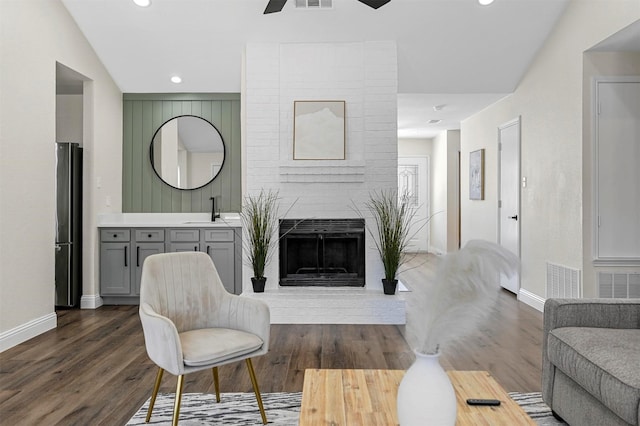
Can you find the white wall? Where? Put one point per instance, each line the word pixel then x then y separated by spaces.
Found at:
pixel 34 35
pixel 439 184
pixel 549 99
pixel 200 165
pixel 364 74
pixel 453 190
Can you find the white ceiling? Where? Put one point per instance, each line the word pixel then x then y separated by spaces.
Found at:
pixel 450 52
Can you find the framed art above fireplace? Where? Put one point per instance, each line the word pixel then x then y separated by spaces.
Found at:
pixel 319 130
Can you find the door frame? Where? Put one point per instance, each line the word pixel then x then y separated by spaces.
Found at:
pixel 516 121
pixel 427 201
pixel 597 260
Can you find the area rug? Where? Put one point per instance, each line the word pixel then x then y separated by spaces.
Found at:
pixel 239 409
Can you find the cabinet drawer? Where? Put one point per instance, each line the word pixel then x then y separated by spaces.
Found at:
pixel 218 235
pixel 151 235
pixel 115 235
pixel 179 235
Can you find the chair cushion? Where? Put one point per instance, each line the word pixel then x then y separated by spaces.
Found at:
pixel 604 361
pixel 212 345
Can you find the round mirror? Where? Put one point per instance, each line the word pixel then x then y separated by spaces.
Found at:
pixel 187 152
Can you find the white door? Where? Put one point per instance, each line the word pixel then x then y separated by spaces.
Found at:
pixel 509 196
pixel 617 155
pixel 413 180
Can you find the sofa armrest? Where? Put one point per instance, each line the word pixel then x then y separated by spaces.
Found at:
pixel 598 313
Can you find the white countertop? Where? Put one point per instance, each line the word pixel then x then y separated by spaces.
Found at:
pixel 166 220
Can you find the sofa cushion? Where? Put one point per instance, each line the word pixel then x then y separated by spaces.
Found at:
pixel 604 361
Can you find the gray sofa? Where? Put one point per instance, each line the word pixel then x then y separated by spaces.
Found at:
pixel 591 360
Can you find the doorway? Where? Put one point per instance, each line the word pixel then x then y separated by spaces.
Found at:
pixel 69 187
pixel 413 180
pixel 509 195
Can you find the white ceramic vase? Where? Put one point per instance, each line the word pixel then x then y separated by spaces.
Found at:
pixel 426 395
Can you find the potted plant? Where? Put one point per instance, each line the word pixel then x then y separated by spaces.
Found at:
pixel 260 222
pixel 393 217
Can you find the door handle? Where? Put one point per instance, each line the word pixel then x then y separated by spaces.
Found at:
pixel 514 217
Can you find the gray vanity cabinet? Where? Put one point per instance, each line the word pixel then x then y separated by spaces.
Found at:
pixel 115 262
pixel 219 244
pixel 184 240
pixel 147 242
pixel 123 251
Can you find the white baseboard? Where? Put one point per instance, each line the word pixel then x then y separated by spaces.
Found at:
pixel 90 301
pixel 26 331
pixel 531 299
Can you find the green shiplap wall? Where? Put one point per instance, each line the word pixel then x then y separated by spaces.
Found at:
pixel 142 190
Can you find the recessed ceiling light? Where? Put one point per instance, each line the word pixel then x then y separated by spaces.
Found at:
pixel 485 2
pixel 142 3
pixel 433 121
pixel 438 107
pixel 176 79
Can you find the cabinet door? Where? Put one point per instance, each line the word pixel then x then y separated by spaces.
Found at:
pixel 223 257
pixel 142 251
pixel 177 247
pixel 115 269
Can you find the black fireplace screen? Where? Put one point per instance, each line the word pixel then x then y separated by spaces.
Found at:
pixel 322 252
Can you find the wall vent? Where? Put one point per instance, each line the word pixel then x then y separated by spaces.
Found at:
pixel 619 285
pixel 563 282
pixel 314 4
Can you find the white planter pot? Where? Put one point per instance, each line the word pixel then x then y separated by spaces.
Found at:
pixel 426 395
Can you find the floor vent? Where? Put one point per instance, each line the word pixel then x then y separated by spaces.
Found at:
pixel 563 282
pixel 314 4
pixel 619 285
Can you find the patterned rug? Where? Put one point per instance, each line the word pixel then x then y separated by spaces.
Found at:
pixel 239 409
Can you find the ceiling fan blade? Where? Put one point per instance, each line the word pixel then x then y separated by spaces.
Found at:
pixel 375 3
pixel 275 6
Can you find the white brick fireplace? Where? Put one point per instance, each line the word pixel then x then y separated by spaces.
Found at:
pixel 364 74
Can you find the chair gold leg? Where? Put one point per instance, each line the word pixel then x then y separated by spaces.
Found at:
pixel 216 383
pixel 176 405
pixel 154 394
pixel 254 382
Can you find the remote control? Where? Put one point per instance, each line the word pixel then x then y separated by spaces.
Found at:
pixel 475 401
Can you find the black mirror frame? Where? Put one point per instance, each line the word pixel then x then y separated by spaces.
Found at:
pixel 224 152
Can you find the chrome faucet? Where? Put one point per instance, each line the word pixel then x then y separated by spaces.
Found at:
pixel 213 209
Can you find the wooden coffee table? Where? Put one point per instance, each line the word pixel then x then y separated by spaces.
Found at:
pixel 368 397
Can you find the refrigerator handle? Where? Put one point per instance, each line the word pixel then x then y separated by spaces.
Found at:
pixel 125 256
pixel 138 256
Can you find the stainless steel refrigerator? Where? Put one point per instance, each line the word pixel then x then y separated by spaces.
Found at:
pixel 68 224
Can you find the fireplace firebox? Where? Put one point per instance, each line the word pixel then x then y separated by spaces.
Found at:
pixel 322 252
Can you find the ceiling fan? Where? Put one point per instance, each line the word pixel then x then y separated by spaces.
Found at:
pixel 277 5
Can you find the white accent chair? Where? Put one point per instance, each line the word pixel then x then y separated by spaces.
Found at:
pixel 191 323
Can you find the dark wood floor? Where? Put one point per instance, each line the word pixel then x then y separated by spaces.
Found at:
pixel 93 368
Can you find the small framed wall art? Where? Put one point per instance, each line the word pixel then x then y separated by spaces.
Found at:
pixel 319 130
pixel 476 175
